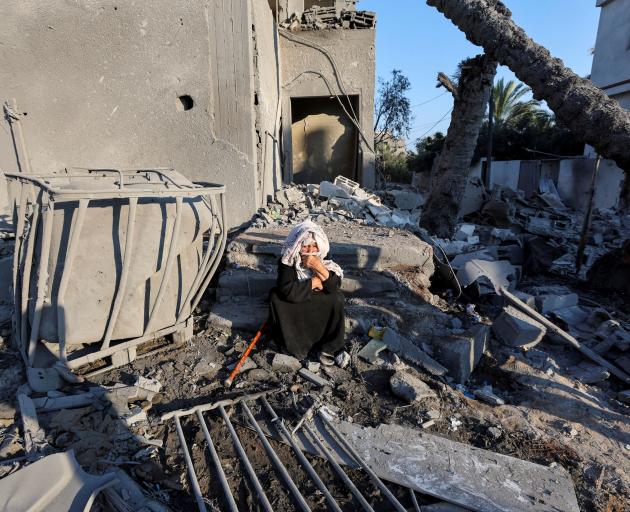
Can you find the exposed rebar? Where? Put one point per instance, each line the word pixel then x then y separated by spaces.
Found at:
pixel 229 497
pixel 342 474
pixel 373 476
pixel 191 469
pixel 264 501
pixel 273 456
pixel 286 435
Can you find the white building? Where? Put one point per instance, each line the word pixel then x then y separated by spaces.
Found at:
pixel 611 61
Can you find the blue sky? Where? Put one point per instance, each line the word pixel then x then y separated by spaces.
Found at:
pixel 418 40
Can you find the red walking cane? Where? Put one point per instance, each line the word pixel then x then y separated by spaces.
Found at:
pixel 228 382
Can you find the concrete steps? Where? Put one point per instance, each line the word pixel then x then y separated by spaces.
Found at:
pixel 252 283
pixel 363 252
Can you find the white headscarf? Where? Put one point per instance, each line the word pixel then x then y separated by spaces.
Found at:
pixel 291 249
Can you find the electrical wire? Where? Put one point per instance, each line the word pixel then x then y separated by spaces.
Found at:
pixel 306 42
pixel 429 101
pixel 435 124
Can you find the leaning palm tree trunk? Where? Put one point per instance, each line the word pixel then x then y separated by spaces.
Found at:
pixel 450 173
pixel 578 104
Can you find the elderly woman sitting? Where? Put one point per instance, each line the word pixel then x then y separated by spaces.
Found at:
pixel 306 304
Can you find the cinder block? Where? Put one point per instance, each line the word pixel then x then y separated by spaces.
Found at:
pixel 516 329
pixel 461 354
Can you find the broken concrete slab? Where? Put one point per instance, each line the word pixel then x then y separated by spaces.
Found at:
pixel 328 189
pixel 408 351
pixel 460 354
pixel 243 315
pixel 548 303
pixel 589 374
pixel 443 506
pixel 55 482
pixel 409 387
pixel 469 477
pixel 624 396
pixel 493 275
pixel 364 248
pixel 371 351
pixel 285 363
pixel 517 329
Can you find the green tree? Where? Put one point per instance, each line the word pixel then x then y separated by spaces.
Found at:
pixel 508 105
pixel 392 109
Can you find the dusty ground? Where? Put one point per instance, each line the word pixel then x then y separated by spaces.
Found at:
pixel 549 418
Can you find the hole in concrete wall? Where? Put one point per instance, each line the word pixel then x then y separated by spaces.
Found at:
pixel 185 102
pixel 324 140
pixel 255 99
pixel 115 8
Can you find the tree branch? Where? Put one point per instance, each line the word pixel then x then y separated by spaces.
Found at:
pixel 445 81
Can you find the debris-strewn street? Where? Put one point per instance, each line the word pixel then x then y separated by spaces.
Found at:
pixel 472 368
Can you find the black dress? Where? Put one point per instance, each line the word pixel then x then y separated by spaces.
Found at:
pixel 302 317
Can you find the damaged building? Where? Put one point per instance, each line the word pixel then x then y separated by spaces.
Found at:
pixel 485 372
pixel 212 90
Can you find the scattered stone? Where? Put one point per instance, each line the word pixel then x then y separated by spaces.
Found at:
pixel 516 329
pixel 313 366
pixel 454 424
pixel 371 351
pixel 495 432
pixel 428 424
pixel 409 388
pixel 285 363
pixel 433 414
pixel 342 359
pixel 249 364
pixel 259 375
pixel 315 379
pixel 486 394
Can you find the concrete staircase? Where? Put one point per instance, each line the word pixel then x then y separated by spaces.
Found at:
pixel 363 252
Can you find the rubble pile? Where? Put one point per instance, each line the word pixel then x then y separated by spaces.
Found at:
pixel 342 199
pixel 321 18
pixel 487 343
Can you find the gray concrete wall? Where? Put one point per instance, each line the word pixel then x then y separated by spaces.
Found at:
pixel 574 181
pixel 99 81
pixel 611 60
pixel 504 173
pixel 267 86
pixel 353 51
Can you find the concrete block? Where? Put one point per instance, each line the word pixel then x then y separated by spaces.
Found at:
pixel 409 388
pixel 371 351
pixel 516 329
pixel 408 351
pixel 486 394
pixel 328 189
pixel 464 232
pixel 247 316
pixel 285 363
pixel 315 379
pixel 461 354
pixel 548 303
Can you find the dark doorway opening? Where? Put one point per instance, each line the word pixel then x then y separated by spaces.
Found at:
pixel 324 139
